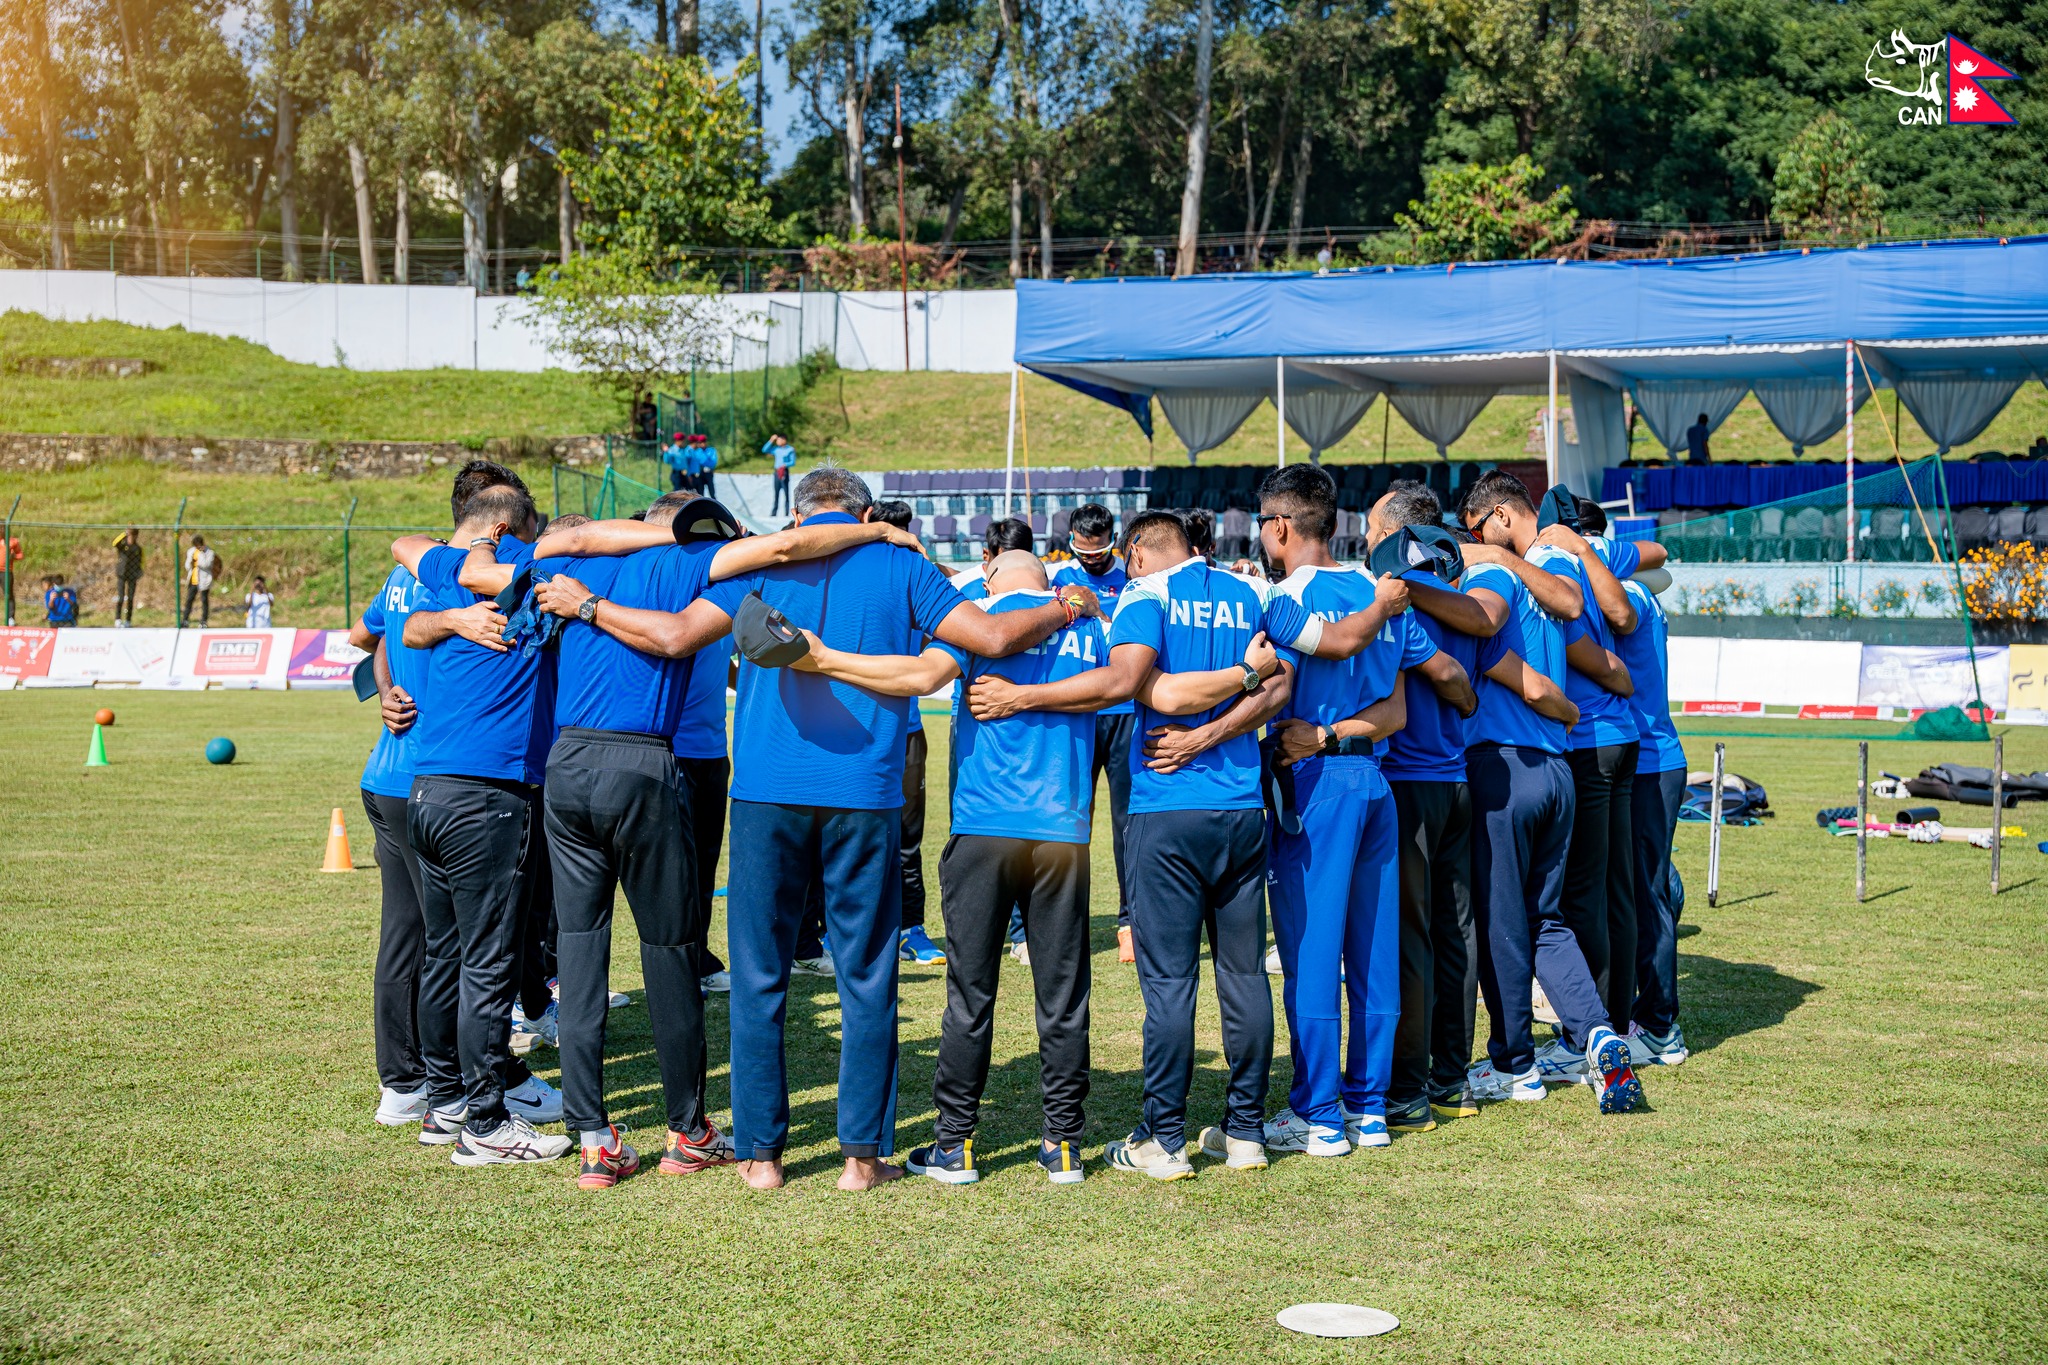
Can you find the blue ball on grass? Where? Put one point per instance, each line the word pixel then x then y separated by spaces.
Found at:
pixel 220 750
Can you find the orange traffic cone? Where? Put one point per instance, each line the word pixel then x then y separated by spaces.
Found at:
pixel 337 859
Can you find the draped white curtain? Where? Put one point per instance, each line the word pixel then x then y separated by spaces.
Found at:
pixel 1671 405
pixel 1602 423
pixel 1441 412
pixel 1205 418
pixel 1323 417
pixel 1954 406
pixel 1807 411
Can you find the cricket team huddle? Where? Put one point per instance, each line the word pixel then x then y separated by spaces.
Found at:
pixel 1446 773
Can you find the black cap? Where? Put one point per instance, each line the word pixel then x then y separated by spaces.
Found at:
pixel 764 635
pixel 1560 507
pixel 704 519
pixel 365 676
pixel 1419 547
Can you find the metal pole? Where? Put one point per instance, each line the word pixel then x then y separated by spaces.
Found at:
pixel 1997 806
pixel 7 556
pixel 1849 463
pixel 177 535
pixel 347 598
pixel 1280 407
pixel 1862 815
pixel 902 230
pixel 1550 440
pixel 1714 828
pixel 1010 450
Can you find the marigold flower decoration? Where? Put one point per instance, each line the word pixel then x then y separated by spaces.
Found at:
pixel 2006 582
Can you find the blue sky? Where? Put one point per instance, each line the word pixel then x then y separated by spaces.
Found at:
pixel 785 121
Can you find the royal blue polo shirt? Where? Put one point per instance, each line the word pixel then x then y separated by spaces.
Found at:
pixel 484 714
pixel 701 733
pixel 1644 650
pixel 389 771
pixel 803 739
pixel 1197 618
pixel 1032 775
pixel 1107 587
pixel 1539 638
pixel 604 684
pixel 1604 716
pixel 1431 747
pixel 1329 690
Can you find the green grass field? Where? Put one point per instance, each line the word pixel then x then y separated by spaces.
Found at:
pixel 1853 1165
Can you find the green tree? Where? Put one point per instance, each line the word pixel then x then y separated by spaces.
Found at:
pixel 1487 213
pixel 627 328
pixel 674 168
pixel 1822 186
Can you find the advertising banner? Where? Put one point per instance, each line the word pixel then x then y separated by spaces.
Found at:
pixel 322 658
pixel 2026 674
pixel 136 657
pixel 25 651
pixel 234 658
pixel 1930 676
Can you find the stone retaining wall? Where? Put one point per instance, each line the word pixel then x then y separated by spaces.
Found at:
pixel 337 459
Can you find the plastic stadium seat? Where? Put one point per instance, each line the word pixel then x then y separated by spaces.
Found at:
pixel 1234 534
pixel 1803 533
pixel 1038 525
pixel 1061 521
pixel 892 482
pixel 2037 526
pixel 1769 541
pixel 1887 539
pixel 1834 527
pixel 2009 524
pixel 917 528
pixel 945 530
pixel 1735 546
pixel 977 526
pixel 1973 528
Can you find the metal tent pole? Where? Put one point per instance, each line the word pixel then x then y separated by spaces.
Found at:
pixel 1010 451
pixel 1714 829
pixel 347 598
pixel 1550 427
pixel 1849 459
pixel 1280 408
pixel 1862 815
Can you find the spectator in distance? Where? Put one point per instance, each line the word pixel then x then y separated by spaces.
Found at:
pixel 127 573
pixel 256 606
pixel 202 566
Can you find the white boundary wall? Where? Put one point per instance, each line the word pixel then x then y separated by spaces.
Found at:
pixel 424 327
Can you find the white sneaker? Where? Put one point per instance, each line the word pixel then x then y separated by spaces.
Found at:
pixel 1273 961
pixel 514 1140
pixel 1650 1049
pixel 396 1108
pixel 821 965
pixel 1539 1004
pixel 1148 1158
pixel 535 1101
pixel 1021 951
pixel 1490 1084
pixel 619 1000
pixel 1287 1131
pixel 1239 1154
pixel 1367 1130
pixel 717 983
pixel 528 1034
pixel 1560 1064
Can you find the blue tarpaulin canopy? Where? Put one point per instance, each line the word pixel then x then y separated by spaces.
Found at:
pixel 1955 327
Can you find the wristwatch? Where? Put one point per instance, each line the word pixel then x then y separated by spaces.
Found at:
pixel 586 611
pixel 1251 676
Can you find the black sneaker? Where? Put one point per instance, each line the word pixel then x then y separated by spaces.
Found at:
pixel 952 1165
pixel 1410 1118
pixel 1456 1102
pixel 441 1127
pixel 1061 1162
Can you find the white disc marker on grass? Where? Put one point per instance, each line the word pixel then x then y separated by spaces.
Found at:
pixel 1337 1320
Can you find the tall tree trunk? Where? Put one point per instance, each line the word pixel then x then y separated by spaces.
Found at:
pixel 1276 163
pixel 475 207
pixel 1016 226
pixel 498 217
pixel 1044 228
pixel 1198 142
pixel 1301 155
pixel 326 264
pixel 287 177
pixel 954 206
pixel 401 230
pixel 565 214
pixel 856 151
pixel 760 99
pixel 686 28
pixel 1251 188
pixel 661 24
pixel 53 145
pixel 366 213
pixel 152 198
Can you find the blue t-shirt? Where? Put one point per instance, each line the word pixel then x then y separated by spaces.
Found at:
pixel 701 733
pixel 1604 716
pixel 1644 651
pixel 1431 747
pixel 1031 776
pixel 389 771
pixel 1198 617
pixel 482 713
pixel 1107 588
pixel 1329 690
pixel 1538 637
pixel 805 740
pixel 603 684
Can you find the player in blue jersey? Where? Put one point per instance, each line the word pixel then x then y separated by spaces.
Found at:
pixel 1095 566
pixel 914 944
pixel 1335 880
pixel 1001 537
pixel 1425 768
pixel 1522 803
pixel 1019 835
pixel 1196 835
pixel 817 800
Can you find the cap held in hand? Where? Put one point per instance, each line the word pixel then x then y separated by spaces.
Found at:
pixel 765 636
pixel 704 519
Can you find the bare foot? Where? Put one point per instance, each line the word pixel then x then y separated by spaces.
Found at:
pixel 762 1175
pixel 866 1172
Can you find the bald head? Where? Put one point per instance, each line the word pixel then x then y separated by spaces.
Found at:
pixel 1016 571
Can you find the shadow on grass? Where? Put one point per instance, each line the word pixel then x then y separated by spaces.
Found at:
pixel 1721 1000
